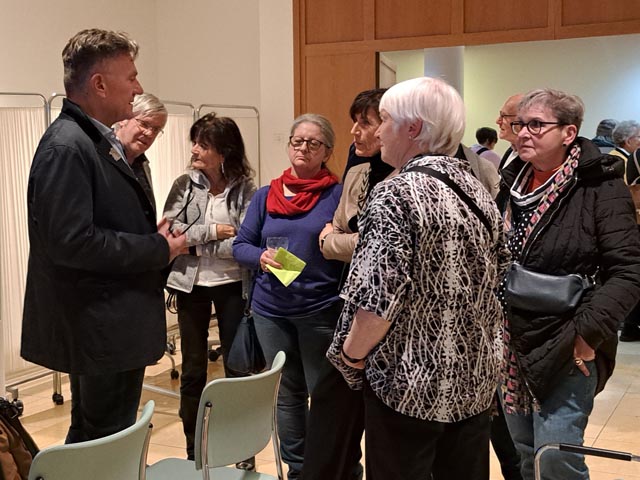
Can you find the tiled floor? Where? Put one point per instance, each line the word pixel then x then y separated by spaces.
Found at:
pixel 614 424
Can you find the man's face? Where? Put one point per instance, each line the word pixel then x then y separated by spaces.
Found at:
pixel 119 87
pixel 138 134
pixel 508 114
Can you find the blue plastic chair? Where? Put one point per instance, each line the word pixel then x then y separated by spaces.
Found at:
pixel 122 455
pixel 236 419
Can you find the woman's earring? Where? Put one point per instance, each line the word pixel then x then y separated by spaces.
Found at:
pixel 222 169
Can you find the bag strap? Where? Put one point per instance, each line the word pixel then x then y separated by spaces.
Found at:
pixel 444 178
pixel 252 275
pixel 482 150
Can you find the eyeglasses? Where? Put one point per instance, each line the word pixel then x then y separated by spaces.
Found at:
pixel 182 210
pixel 312 144
pixel 149 129
pixel 534 126
pixel 504 115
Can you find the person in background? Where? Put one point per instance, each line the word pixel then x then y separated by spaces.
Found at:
pixel 603 139
pixel 137 134
pixel 420 329
pixel 94 304
pixel 626 137
pixel 508 114
pixel 208 204
pixel 336 418
pixel 300 318
pixel 567 211
pixel 487 139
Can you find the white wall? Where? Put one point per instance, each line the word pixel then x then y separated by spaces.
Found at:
pixel 196 51
pixel 33 34
pixel 603 71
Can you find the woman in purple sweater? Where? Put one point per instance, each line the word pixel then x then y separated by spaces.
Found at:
pixel 299 319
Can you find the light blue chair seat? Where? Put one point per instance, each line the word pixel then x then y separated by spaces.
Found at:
pixel 236 420
pixel 121 456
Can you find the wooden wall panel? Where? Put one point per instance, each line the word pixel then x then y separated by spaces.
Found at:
pixel 330 21
pixel 412 18
pixel 584 12
pixel 504 15
pixel 332 82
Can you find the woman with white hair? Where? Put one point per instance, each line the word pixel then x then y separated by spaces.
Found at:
pixel 420 330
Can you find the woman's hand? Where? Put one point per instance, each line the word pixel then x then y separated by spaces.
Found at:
pixel 582 352
pixel 225 231
pixel 328 228
pixel 267 259
pixel 358 366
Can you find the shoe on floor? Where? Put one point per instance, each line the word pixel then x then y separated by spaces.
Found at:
pixel 249 465
pixel 630 333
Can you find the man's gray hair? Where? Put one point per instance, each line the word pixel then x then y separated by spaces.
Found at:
pixel 88 48
pixel 147 104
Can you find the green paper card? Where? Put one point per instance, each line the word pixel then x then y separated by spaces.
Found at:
pixel 292 266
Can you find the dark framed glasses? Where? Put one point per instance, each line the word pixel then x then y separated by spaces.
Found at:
pixel 312 144
pixel 184 209
pixel 534 126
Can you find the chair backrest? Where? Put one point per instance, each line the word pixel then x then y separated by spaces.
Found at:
pixel 237 417
pixel 122 455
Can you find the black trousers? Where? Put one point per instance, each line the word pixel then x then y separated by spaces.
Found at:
pixel 194 316
pixel 103 404
pixel 506 452
pixel 399 447
pixel 334 430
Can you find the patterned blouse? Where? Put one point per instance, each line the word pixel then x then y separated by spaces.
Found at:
pixel 427 264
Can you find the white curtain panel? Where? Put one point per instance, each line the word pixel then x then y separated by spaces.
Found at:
pixel 20 132
pixel 169 156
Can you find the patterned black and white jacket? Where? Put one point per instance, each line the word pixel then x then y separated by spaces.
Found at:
pixel 427 264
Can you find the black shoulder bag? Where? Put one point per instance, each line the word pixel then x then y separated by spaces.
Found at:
pixel 245 356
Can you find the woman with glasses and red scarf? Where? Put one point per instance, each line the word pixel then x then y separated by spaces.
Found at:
pixel 300 318
pixel 208 203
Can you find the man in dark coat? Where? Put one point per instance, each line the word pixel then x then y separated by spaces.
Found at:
pixel 94 304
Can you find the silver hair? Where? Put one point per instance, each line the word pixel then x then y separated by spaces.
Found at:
pixel 624 131
pixel 326 130
pixel 437 104
pixel 147 104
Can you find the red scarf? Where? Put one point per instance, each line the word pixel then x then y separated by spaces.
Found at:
pixel 309 191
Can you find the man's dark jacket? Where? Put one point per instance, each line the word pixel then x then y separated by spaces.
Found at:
pixel 590 228
pixel 94 299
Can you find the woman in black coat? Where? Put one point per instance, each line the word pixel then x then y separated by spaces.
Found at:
pixel 567 211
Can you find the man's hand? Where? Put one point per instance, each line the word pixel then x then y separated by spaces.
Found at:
pixel 177 241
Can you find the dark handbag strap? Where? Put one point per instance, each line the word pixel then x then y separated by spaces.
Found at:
pixel 252 274
pixel 444 178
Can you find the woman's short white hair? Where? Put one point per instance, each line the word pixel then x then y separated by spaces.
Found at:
pixel 437 104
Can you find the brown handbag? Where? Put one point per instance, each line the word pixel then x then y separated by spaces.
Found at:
pixel 17 448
